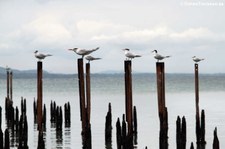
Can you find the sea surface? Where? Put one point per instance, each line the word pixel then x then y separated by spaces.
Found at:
pixel 109 88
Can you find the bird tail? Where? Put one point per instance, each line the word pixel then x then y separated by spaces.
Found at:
pixel 137 55
pixel 95 49
pixel 48 55
pixel 167 56
pixel 97 58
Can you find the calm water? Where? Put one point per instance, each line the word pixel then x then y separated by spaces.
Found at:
pixel 180 100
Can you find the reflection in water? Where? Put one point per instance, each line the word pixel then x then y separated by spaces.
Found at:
pixel 67 137
pixel 59 139
pixel 86 138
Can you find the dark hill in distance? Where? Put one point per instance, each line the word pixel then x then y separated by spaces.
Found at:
pixel 31 74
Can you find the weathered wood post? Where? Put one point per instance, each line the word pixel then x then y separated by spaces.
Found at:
pixel 128 96
pixel 163 116
pixel 88 92
pixel 198 127
pixel 81 92
pixel 200 124
pixel 39 94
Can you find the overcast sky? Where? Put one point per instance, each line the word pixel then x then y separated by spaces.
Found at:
pixel 180 28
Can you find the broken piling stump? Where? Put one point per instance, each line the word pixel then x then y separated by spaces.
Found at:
pixel 108 126
pixel 216 143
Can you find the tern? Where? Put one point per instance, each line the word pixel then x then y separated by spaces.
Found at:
pixel 41 56
pixel 91 58
pixel 83 52
pixel 195 59
pixel 7 68
pixel 130 55
pixel 158 56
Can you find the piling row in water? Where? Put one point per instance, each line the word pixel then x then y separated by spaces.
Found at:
pixel 35 113
pixel 124 140
pixel 56 115
pixel 23 127
pixel 67 114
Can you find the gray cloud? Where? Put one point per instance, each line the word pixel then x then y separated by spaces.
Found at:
pixel 55 26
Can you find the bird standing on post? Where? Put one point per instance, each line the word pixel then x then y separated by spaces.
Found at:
pixel 40 56
pixel 195 59
pixel 91 58
pixel 129 54
pixel 158 56
pixel 83 52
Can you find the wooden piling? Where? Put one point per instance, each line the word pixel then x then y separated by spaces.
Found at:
pixel 88 91
pixel 178 133
pixel 11 86
pixel 41 143
pixel 202 129
pixel 198 127
pixel 184 133
pixel 1 139
pixel 7 141
pixel 67 114
pixel 135 125
pixel 192 145
pixel 216 143
pixel 128 96
pixel 118 134
pixel 162 110
pixel 160 87
pixel 7 84
pixel 44 118
pixel 1 133
pixel 196 90
pixel 124 132
pixel 35 111
pixel 81 92
pixel 39 94
pixel 108 126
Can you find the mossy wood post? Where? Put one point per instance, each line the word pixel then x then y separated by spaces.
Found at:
pixel 39 94
pixel 163 115
pixel 128 96
pixel 82 92
pixel 88 92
